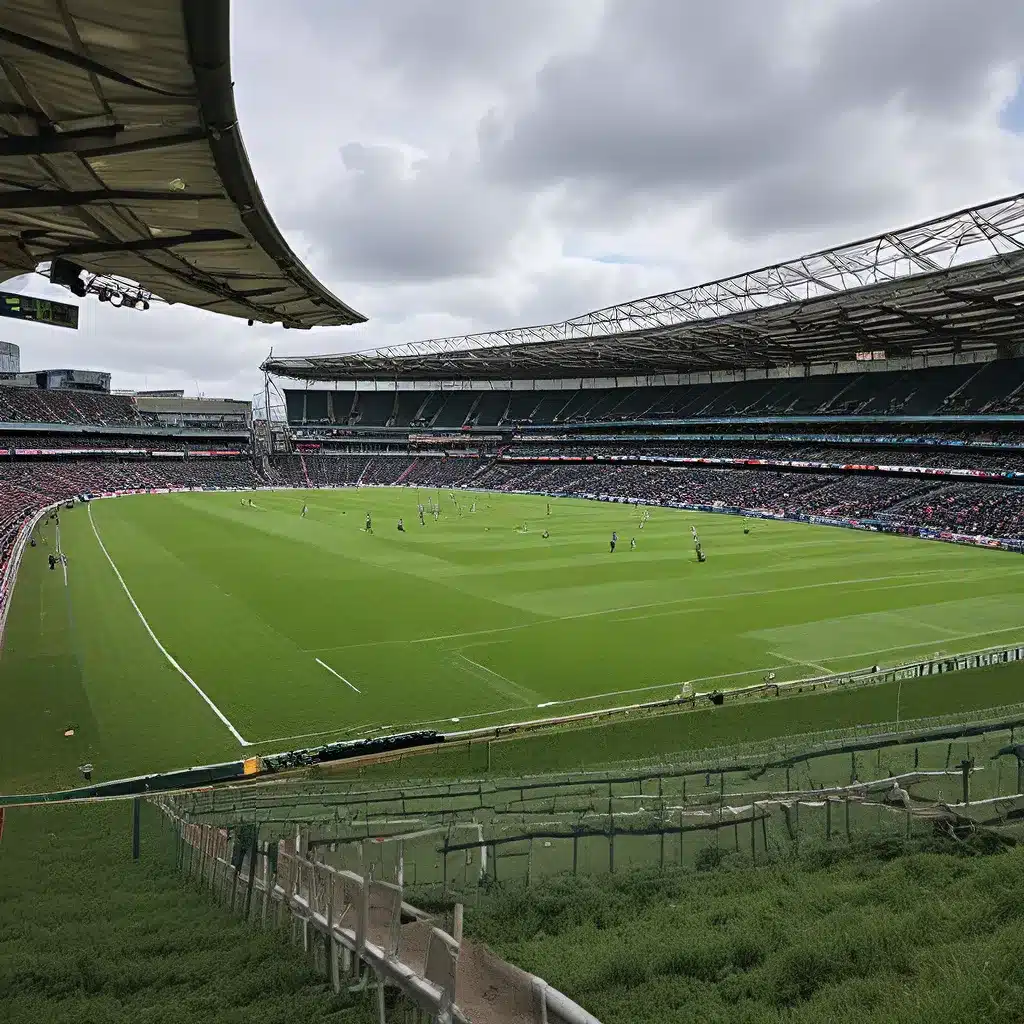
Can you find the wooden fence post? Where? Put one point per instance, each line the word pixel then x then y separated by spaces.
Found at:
pixel 254 848
pixel 753 832
pixel 136 827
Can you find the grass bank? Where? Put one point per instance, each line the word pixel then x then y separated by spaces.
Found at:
pixel 89 937
pixel 876 937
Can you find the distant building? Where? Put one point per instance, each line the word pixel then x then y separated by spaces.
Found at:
pixel 10 357
pixel 59 380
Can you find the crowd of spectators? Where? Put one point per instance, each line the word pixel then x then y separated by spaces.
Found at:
pixel 933 457
pixel 55 479
pixel 122 441
pixel 968 508
pixel 349 470
pixel 990 509
pixel 987 509
pixel 61 405
pixel 27 486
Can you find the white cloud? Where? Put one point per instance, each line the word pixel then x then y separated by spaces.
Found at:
pixel 448 166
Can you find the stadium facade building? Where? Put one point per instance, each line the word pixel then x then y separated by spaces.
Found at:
pixel 174 411
pixel 71 380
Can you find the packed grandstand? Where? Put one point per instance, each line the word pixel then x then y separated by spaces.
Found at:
pixel 904 471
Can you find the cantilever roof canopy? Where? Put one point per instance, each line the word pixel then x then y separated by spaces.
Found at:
pixel 953 284
pixel 120 151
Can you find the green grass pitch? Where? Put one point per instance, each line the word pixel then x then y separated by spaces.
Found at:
pixel 301 630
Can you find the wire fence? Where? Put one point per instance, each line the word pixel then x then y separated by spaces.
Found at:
pixel 757 802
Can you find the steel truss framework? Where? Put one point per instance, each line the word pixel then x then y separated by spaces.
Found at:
pixel 952 284
pixel 120 151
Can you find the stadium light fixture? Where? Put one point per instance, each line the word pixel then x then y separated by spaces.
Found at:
pixel 115 290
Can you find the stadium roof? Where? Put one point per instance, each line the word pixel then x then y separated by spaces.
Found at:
pixel 953 284
pixel 120 151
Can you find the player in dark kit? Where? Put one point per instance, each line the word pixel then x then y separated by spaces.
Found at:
pixel 614 541
pixel 369 523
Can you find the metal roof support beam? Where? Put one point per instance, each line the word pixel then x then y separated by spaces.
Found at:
pixel 987 302
pixel 44 199
pixel 87 64
pixel 50 141
pixel 204 236
pixel 104 140
pixel 955 337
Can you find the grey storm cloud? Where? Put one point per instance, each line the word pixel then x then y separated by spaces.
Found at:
pixel 688 97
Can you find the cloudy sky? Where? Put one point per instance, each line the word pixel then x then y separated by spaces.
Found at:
pixel 450 166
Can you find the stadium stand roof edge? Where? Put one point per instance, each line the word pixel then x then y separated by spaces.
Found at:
pixel 122 153
pixel 954 283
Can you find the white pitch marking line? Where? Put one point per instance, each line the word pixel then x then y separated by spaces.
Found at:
pixel 163 650
pixel 489 671
pixel 823 669
pixel 63 561
pixel 338 674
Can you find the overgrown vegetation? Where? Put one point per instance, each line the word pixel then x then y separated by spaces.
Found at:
pixel 89 937
pixel 876 934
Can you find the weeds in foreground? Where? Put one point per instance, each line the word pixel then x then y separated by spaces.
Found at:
pixel 883 932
